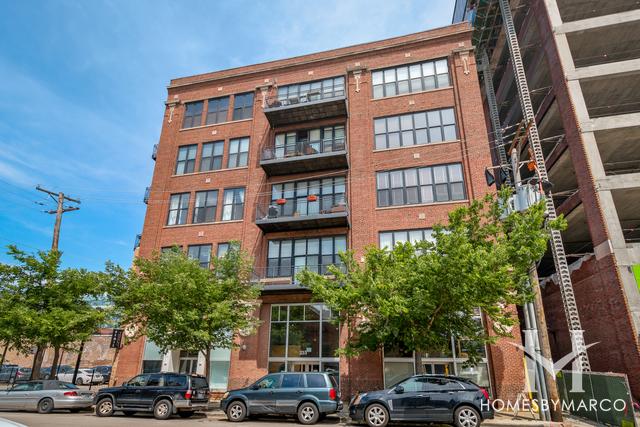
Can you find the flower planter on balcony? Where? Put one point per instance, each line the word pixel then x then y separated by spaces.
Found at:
pixel 312 198
pixel 281 201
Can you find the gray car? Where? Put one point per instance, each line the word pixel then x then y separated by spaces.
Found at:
pixel 45 396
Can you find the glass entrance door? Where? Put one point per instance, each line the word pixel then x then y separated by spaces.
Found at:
pixel 188 362
pixel 304 367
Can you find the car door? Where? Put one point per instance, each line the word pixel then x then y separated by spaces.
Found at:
pixel 16 397
pixel 131 393
pixel 289 392
pixel 153 387
pixel 33 396
pixel 408 401
pixel 261 395
pixel 442 397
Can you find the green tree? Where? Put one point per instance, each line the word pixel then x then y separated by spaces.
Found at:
pixel 179 305
pixel 44 306
pixel 416 296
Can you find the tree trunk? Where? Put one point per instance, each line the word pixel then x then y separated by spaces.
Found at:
pixel 54 364
pixel 207 364
pixel 4 354
pixel 37 363
pixel 417 361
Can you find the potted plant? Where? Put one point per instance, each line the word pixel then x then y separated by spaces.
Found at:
pixel 312 198
pixel 281 201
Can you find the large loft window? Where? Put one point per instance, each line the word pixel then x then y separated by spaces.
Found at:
pixel 211 158
pixel 178 208
pixel 217 110
pixel 287 257
pixel 205 206
pixel 431 184
pixel 192 114
pixel 238 152
pixel 186 162
pixel 415 129
pixel 202 253
pixel 303 338
pixel 313 197
pixel 410 78
pixel 233 204
pixel 388 239
pixel 243 106
pixel 311 91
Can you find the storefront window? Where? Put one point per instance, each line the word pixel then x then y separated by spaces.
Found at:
pixel 219 367
pixel 303 338
pixel 152 358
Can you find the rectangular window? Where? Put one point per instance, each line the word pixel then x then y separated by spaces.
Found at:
pixel 178 208
pixel 205 207
pixel 313 197
pixel 410 78
pixel 202 253
pixel 233 206
pixel 289 256
pixel 431 184
pixel 238 152
pixel 243 106
pixel 192 114
pixel 186 162
pixel 415 128
pixel 217 110
pixel 311 91
pixel 388 239
pixel 308 142
pixel 211 156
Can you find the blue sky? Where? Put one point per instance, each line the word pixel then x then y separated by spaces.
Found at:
pixel 83 84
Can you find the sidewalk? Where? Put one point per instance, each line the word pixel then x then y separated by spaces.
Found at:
pixel 507 419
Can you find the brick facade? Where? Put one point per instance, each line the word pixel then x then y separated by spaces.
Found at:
pixel 366 220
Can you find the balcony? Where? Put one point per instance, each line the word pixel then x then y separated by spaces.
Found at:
pixel 147 194
pixel 308 212
pixel 313 105
pixel 136 243
pixel 154 153
pixel 276 280
pixel 304 156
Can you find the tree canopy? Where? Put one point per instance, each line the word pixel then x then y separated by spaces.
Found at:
pixel 415 296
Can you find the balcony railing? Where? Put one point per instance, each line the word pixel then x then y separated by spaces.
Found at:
pixel 154 153
pixel 304 156
pixel 147 194
pixel 313 105
pixel 136 243
pixel 313 211
pixel 278 279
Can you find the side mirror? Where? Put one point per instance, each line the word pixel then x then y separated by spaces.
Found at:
pixel 399 389
pixel 125 384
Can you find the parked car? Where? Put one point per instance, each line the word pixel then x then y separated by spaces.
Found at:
pixel 105 371
pixel 45 373
pixel 8 372
pixel 44 396
pixel 309 396
pixel 85 375
pixel 23 374
pixel 424 398
pixel 164 394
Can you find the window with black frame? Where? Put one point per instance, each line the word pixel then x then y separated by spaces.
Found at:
pixel 211 158
pixel 313 197
pixel 178 209
pixel 201 253
pixel 192 114
pixel 410 78
pixel 186 162
pixel 424 127
pixel 217 110
pixel 441 183
pixel 311 91
pixel 233 204
pixel 388 239
pixel 205 206
pixel 243 106
pixel 287 257
pixel 238 152
pixel 308 142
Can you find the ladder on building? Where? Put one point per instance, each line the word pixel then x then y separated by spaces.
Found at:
pixel 557 246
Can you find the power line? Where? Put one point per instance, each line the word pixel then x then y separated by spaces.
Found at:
pixel 59 198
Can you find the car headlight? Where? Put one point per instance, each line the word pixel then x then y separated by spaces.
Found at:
pixel 225 395
pixel 358 398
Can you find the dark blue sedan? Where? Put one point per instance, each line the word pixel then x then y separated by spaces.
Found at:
pixel 424 398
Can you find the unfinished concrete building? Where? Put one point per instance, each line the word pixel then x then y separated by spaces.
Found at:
pixel 582 64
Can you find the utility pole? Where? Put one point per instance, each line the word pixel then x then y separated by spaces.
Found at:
pixel 59 198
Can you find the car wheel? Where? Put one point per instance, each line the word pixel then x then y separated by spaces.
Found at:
pixel 308 413
pixel 236 411
pixel 129 413
pixel 466 416
pixel 186 414
pixel 45 406
pixel 104 408
pixel 162 409
pixel 376 415
pixel 79 381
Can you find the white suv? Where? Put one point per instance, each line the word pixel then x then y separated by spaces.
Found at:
pixel 65 373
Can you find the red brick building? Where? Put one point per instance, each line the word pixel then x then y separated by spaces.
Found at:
pixel 301 158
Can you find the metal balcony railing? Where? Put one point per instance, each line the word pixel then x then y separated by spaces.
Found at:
pixel 303 148
pixel 147 194
pixel 154 153
pixel 287 273
pixel 136 243
pixel 302 98
pixel 312 211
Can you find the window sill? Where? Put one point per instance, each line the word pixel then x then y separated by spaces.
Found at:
pixel 216 124
pixel 410 93
pixel 430 144
pixel 213 171
pixel 384 208
pixel 203 223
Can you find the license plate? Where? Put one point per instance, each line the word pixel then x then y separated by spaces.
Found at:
pixel 200 395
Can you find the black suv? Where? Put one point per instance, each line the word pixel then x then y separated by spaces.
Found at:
pixel 424 398
pixel 309 396
pixel 163 394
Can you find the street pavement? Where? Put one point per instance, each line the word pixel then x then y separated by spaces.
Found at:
pixel 212 418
